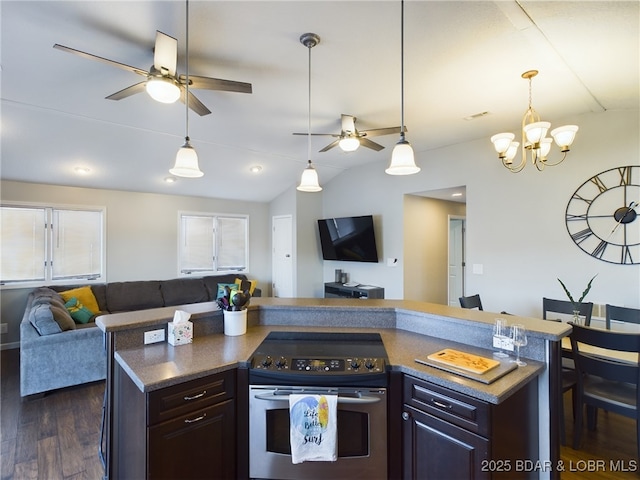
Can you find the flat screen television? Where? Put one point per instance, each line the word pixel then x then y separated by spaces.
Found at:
pixel 350 239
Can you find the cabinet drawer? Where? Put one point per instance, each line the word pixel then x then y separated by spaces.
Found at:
pixel 187 397
pixel 456 408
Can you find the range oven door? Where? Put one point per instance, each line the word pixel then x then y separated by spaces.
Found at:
pixel 362 434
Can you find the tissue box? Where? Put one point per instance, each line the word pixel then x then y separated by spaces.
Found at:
pixel 180 333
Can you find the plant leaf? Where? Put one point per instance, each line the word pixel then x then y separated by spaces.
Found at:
pixel 584 294
pixel 567 291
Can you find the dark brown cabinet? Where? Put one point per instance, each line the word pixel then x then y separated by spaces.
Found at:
pixel 185 431
pixel 447 434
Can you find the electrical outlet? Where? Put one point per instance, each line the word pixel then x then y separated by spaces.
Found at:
pixel 154 336
pixel 4 327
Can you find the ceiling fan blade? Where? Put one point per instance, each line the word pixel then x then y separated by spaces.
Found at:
pixel 127 92
pixel 195 104
pixel 319 134
pixel 376 132
pixel 331 145
pixel 216 84
pixel 369 144
pixel 90 56
pixel 348 123
pixel 165 53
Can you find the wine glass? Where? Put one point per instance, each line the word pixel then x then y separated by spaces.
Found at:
pixel 519 339
pixel 500 336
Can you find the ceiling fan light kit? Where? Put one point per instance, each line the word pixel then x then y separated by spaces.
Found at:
pixel 309 180
pixel 349 144
pixel 534 139
pixel 402 158
pixel 163 89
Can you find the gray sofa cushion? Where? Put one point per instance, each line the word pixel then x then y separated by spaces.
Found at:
pixel 181 291
pixel 62 317
pixel 42 320
pixel 130 296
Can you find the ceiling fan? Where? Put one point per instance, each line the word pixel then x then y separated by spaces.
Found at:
pixel 162 81
pixel 350 138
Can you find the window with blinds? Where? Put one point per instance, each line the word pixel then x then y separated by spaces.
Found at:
pixel 213 243
pixel 48 245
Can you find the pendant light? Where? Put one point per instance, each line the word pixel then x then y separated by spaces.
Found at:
pixel 309 180
pixel 402 159
pixel 187 159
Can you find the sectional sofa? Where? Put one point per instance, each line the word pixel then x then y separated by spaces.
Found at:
pixel 57 352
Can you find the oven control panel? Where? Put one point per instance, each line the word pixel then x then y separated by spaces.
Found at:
pixel 319 366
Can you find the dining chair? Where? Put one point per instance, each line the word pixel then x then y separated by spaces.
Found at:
pixel 565 307
pixel 604 381
pixel 622 314
pixel 472 301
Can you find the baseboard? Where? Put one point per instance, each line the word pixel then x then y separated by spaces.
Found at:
pixel 9 346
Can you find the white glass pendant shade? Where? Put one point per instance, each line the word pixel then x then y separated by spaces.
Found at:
pixel 349 144
pixel 536 131
pixel 163 89
pixel 186 162
pixel 309 181
pixel 510 154
pixel 545 147
pixel 502 141
pixel 564 136
pixel 402 160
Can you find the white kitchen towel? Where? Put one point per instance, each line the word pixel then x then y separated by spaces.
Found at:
pixel 314 429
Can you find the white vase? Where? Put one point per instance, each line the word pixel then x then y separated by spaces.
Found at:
pixel 235 322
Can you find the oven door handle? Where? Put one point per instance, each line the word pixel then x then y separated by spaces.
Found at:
pixel 365 400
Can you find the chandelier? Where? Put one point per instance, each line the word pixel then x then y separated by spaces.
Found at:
pixel 535 144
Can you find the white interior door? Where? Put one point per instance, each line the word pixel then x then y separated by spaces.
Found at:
pixel 456 260
pixel 282 257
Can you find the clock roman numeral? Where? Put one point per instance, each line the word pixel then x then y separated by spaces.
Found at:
pixel 572 217
pixel 626 255
pixel 625 175
pixel 599 183
pixel 582 235
pixel 599 250
pixel 578 197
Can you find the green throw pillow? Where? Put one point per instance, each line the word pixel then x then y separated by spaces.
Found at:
pixel 79 312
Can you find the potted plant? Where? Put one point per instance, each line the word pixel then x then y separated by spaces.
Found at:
pixel 576 304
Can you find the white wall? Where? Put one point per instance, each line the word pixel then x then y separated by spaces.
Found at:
pixel 515 222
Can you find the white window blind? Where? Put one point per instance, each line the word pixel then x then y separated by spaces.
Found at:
pixel 42 245
pixel 213 243
pixel 24 244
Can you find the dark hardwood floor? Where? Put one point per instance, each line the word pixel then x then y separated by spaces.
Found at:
pixel 55 437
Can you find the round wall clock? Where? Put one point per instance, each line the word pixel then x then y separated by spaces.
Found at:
pixel 602 216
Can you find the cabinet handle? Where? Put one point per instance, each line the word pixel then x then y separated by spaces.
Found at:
pixel 201 417
pixel 440 404
pixel 405 416
pixel 196 396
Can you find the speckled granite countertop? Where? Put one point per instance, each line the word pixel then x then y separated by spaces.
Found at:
pixel 152 367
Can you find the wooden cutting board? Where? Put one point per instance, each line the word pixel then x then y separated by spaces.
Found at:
pixel 465 361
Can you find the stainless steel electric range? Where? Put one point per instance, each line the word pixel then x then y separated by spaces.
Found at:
pixel 352 366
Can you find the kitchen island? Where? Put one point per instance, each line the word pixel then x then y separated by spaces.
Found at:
pixel 409 330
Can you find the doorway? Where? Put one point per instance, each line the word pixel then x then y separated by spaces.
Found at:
pixel 282 257
pixel 457 237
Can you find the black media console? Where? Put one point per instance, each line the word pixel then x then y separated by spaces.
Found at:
pixel 338 290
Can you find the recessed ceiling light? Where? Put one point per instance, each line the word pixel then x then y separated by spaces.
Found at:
pixel 457 194
pixel 170 179
pixel 82 170
pixel 255 169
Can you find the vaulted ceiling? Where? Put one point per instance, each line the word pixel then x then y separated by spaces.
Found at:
pixel 461 59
